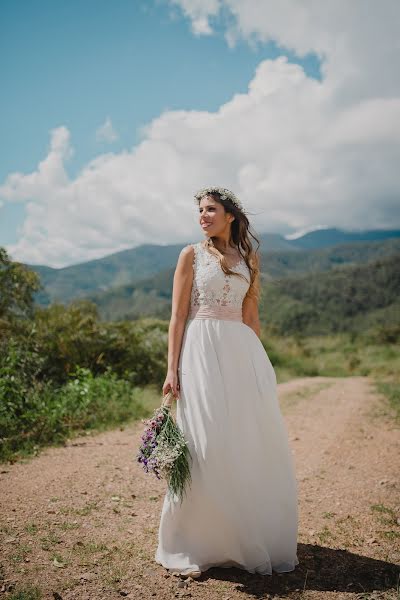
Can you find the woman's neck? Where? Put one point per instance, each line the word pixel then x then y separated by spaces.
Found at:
pixel 223 245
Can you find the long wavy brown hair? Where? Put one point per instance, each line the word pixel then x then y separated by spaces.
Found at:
pixel 241 231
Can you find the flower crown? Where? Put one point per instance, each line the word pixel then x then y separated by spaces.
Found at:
pixel 223 192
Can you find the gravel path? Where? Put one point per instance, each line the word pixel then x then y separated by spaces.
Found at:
pixel 81 521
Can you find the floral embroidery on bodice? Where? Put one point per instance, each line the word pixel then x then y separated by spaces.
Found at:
pixel 215 294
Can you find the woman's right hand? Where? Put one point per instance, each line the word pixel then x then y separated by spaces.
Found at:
pixel 171 383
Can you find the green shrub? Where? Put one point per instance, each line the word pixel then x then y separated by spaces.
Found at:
pixel 73 336
pixel 390 388
pixel 44 413
pixel 89 402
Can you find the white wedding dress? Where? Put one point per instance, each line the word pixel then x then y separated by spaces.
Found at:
pixel 241 507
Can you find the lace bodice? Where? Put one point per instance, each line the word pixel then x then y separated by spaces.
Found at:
pixel 215 294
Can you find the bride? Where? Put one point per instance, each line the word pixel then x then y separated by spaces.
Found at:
pixel 241 509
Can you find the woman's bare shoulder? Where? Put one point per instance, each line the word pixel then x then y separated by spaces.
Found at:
pixel 187 254
pixel 190 249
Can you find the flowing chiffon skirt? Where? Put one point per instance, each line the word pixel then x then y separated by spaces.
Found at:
pixel 241 508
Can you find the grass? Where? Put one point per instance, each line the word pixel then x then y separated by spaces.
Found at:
pixel 387 516
pixel 66 526
pixel 325 535
pixel 308 391
pixel 88 550
pixel 390 389
pixel 49 540
pixel 26 592
pixel 21 552
pixel 31 528
pixel 340 355
pixel 328 515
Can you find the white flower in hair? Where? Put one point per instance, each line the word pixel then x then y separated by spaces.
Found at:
pixel 223 192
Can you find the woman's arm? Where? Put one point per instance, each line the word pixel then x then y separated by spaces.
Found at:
pixel 250 314
pixel 250 306
pixel 182 286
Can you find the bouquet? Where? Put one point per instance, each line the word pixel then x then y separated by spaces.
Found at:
pixel 163 449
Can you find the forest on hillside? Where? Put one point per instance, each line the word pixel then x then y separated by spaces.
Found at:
pixel 355 298
pixel 143 276
pixel 346 297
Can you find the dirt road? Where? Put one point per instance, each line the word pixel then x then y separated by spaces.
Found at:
pixel 81 521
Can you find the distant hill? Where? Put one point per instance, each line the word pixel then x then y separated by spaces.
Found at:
pixel 149 297
pixel 130 267
pixel 283 264
pixel 273 242
pixel 125 267
pixel 77 281
pixel 322 238
pixel 152 296
pixel 347 298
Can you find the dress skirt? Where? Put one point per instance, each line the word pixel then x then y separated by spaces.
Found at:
pixel 241 507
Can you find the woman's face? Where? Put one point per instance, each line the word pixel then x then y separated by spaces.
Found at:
pixel 213 218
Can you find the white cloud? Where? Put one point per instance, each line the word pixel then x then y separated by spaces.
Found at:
pixel 300 153
pixel 358 41
pixel 106 132
pixel 199 13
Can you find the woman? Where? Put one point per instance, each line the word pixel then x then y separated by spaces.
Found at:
pixel 241 507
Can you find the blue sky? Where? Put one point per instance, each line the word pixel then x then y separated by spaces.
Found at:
pixel 76 63
pixel 114 113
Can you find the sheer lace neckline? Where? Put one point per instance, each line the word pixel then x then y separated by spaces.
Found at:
pixel 234 266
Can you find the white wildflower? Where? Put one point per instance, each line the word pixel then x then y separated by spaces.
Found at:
pixel 223 192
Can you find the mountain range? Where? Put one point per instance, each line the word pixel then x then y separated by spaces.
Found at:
pixel 132 282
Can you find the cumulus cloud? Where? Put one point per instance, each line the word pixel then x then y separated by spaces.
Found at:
pixel 357 41
pixel 299 152
pixel 106 132
pixel 199 13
